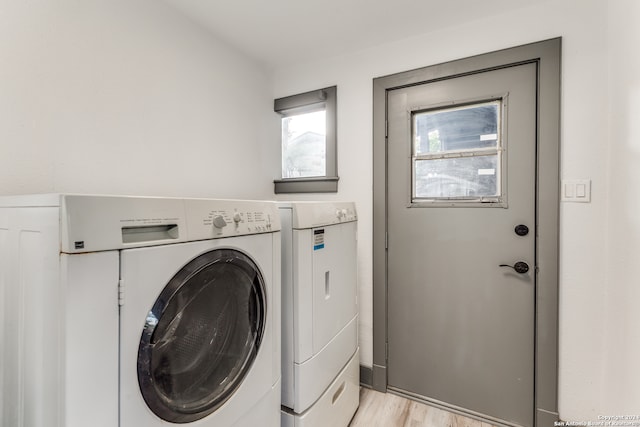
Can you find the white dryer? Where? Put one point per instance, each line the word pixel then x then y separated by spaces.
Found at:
pixel 128 311
pixel 320 358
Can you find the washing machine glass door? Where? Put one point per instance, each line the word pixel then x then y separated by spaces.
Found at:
pixel 202 335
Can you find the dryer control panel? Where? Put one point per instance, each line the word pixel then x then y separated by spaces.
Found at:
pixel 318 214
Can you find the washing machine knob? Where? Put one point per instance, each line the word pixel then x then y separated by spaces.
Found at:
pixel 236 217
pixel 219 222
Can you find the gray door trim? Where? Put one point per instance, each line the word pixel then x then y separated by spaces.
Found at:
pixel 546 55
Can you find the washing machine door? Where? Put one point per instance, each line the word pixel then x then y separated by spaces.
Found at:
pixel 202 336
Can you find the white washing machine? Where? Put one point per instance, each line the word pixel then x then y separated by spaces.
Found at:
pixel 320 357
pixel 126 311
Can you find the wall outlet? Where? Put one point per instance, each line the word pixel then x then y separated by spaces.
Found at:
pixel 576 190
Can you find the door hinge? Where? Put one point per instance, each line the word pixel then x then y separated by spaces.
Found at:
pixel 386 128
pixel 120 293
pixel 386 351
pixel 386 240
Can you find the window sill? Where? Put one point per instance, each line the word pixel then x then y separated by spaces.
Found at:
pixel 322 184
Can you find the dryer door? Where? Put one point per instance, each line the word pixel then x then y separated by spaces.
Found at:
pixel 202 336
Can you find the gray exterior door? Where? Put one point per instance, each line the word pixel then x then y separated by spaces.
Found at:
pixel 461 222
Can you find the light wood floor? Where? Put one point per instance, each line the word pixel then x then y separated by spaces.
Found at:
pixel 388 410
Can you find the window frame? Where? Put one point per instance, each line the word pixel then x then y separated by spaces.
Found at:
pixel 321 99
pixel 499 201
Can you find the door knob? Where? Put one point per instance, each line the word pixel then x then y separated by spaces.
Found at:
pixel 520 267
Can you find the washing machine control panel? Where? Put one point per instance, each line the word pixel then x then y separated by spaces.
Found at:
pixel 225 218
pixel 94 223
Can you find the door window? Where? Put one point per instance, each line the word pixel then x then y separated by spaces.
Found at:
pixel 202 336
pixel 456 154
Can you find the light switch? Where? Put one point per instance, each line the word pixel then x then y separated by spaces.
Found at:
pixel 576 190
pixel 569 191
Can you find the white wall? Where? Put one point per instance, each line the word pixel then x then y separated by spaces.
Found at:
pixel 622 346
pixel 585 337
pixel 127 97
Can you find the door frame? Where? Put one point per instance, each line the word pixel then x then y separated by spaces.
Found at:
pixel 546 55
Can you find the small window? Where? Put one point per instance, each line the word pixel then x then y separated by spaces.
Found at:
pixel 457 154
pixel 309 163
pixel 304 145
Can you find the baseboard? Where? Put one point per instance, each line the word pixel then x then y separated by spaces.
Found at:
pixel 366 376
pixel 546 418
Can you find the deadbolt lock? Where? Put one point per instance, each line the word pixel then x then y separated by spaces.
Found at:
pixel 521 230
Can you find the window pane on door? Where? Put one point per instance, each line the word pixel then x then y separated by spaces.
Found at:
pixel 460 177
pixel 457 152
pixel 462 128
